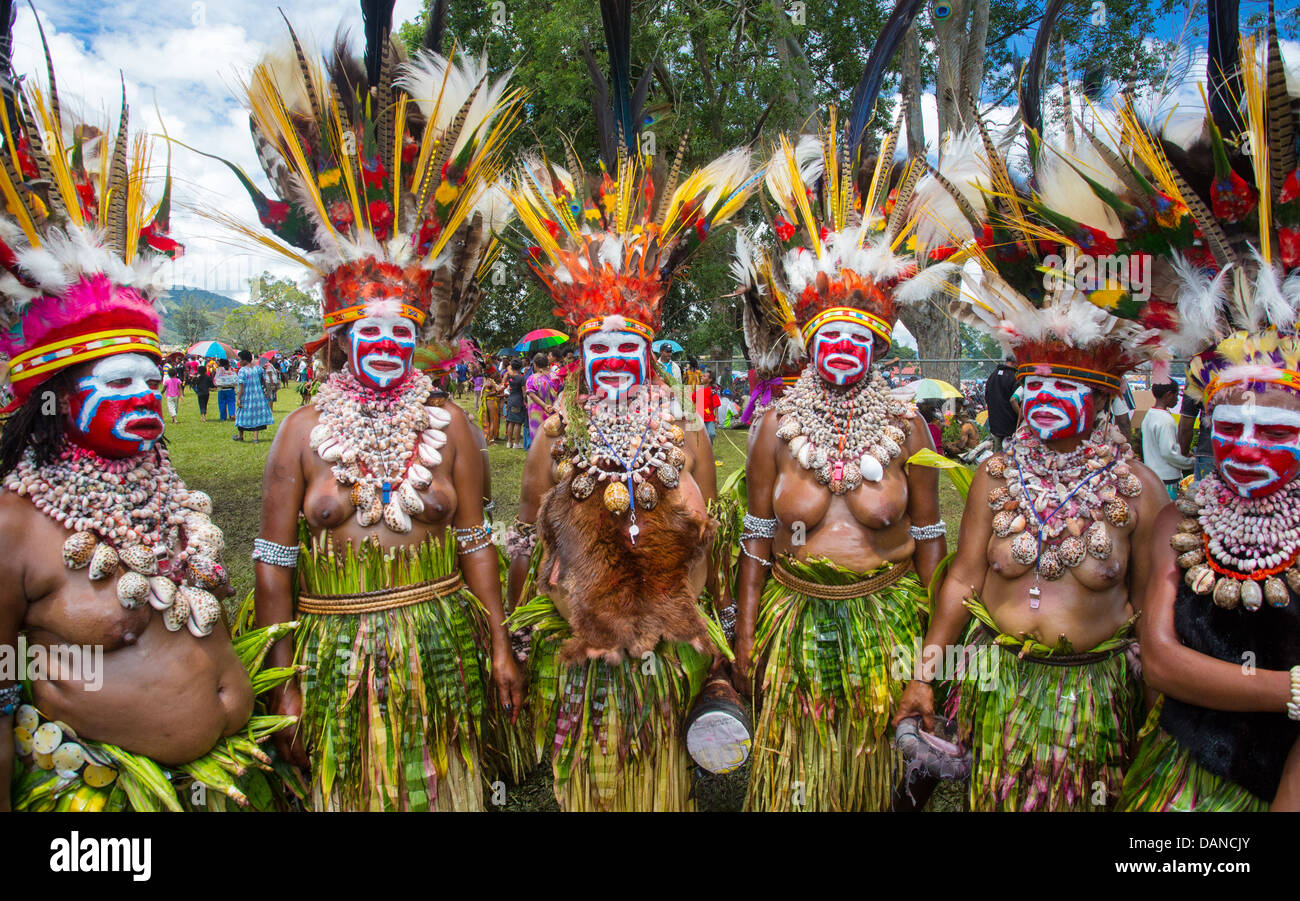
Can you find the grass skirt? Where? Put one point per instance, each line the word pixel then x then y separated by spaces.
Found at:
pixel 239 772
pixel 834 673
pixel 614 733
pixel 394 701
pixel 1165 777
pixel 1045 736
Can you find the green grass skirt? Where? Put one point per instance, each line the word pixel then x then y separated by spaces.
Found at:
pixel 1044 736
pixel 614 733
pixel 834 673
pixel 1165 777
pixel 398 709
pixel 240 772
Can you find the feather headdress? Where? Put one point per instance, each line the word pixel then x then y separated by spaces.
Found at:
pixel 1239 285
pixel 841 247
pixel 384 175
pixel 80 247
pixel 1074 268
pixel 607 243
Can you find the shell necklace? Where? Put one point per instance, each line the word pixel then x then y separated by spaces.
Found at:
pixel 135 512
pixel 1230 544
pixel 629 445
pixel 385 444
pixel 844 435
pixel 1074 494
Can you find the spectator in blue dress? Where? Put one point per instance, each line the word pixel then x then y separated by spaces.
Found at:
pixel 253 413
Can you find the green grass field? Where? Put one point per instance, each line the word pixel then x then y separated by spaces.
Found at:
pixel 231 472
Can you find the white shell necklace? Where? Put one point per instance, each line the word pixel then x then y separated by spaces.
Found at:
pixel 384 444
pixel 844 435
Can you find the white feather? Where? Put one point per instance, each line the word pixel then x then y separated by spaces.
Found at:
pixel 1062 189
pixel 441 88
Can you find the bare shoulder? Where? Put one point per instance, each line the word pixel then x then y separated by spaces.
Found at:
pixel 918 433
pixel 1154 497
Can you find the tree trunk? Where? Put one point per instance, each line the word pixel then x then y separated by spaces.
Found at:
pixel 912 89
pixel 936 339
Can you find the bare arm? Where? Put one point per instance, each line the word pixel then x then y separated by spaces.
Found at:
pixel 479 568
pixel 949 617
pixel 1171 667
pixel 923 503
pixel 284 485
pixel 1152 500
pixel 760 482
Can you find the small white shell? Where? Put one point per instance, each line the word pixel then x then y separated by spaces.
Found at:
pixel 872 471
pixel 205 610
pixel 103 563
pixel 429 455
pixel 162 592
pixel 409 498
pixel 330 451
pixel 804 455
pixel 318 436
pixel 132 590
pixel 197 501
pixel 436 437
pixel 438 416
pixel 797 442
pixel 419 476
pixel 371 511
pixel 176 615
pixel 139 558
pixel 396 519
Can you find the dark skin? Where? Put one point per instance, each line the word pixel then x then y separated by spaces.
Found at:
pixel 859 530
pixel 166 695
pixel 1086 605
pixel 298 482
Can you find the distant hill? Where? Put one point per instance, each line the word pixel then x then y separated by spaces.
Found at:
pixel 181 296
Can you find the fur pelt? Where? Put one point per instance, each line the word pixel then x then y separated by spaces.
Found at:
pixel 623 598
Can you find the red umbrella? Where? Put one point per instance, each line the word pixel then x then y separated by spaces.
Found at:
pixel 269 354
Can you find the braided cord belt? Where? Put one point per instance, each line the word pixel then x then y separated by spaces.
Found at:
pixel 383 599
pixel 1078 659
pixel 840 592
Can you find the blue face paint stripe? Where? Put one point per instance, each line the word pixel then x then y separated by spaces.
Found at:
pixel 92 401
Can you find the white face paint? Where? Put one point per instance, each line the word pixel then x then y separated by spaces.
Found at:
pixel 614 361
pixel 115 410
pixel 1256 447
pixel 841 351
pixel 1057 408
pixel 382 349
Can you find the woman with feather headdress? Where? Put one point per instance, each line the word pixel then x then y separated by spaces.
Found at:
pixel 85 469
pixel 374 493
pixel 1051 558
pixel 835 516
pixel 610 553
pixel 1225 559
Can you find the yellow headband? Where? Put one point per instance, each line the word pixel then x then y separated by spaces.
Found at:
pixel 877 325
pixel 1286 378
pixel 70 351
pixel 1074 373
pixel 597 323
pixel 352 314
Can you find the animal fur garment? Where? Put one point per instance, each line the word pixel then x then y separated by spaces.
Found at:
pixel 623 598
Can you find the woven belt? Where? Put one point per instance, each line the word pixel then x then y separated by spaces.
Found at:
pixel 840 592
pixel 383 599
pixel 1082 659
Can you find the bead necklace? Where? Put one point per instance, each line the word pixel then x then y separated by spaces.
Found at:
pixel 137 513
pixel 1057 504
pixel 844 435
pixel 629 445
pixel 1236 549
pixel 384 444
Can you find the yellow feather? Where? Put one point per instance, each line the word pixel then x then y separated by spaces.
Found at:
pixel 1252 90
pixel 56 155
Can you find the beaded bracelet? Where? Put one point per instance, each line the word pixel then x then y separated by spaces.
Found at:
pixel 757 527
pixel 925 533
pixel 471 535
pixel 275 554
pixel 10 697
pixel 727 617
pixel 1293 706
pixel 745 551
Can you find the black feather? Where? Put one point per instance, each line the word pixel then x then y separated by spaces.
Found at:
pixel 377 15
pixel 1223 67
pixel 616 16
pixel 8 12
pixel 600 110
pixel 873 76
pixel 437 25
pixel 1031 82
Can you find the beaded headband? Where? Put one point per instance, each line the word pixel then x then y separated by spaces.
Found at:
pixel 597 323
pixel 1092 377
pixel 71 351
pixel 876 324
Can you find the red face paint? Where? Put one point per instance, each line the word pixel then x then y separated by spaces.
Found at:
pixel 115 411
pixel 1057 408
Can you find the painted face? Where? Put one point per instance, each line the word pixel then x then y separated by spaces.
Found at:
pixel 1057 408
pixel 1256 447
pixel 841 351
pixel 382 349
pixel 114 411
pixel 614 362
